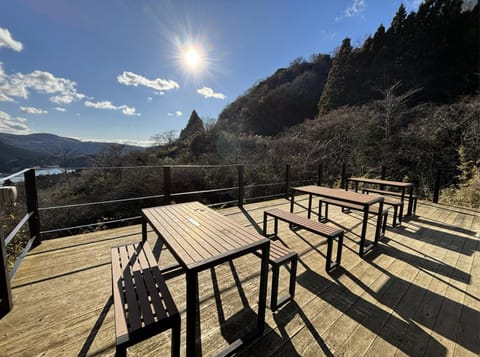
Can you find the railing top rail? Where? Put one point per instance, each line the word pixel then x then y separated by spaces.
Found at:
pixel 15 174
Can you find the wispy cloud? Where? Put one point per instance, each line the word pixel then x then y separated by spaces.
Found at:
pixel 11 125
pixel 210 93
pixel 158 84
pixel 149 99
pixel 32 110
pixel 356 8
pixel 60 109
pixel 19 85
pixel 177 114
pixel 126 110
pixel 6 40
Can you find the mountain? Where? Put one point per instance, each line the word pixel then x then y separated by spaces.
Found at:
pixel 20 151
pixel 433 53
pixel 282 100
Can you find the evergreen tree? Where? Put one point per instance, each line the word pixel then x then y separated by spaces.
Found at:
pixel 334 92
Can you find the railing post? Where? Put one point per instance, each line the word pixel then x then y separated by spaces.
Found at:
pixel 241 187
pixel 32 206
pixel 287 179
pixel 320 173
pixel 6 302
pixel 436 186
pixel 167 183
pixel 344 178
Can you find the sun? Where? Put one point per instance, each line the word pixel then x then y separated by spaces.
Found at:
pixel 192 57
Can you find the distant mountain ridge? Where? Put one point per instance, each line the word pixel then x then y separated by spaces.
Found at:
pixel 20 151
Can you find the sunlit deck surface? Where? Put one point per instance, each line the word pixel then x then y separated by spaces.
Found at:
pixel 418 294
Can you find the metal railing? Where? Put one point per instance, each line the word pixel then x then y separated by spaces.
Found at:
pixel 32 216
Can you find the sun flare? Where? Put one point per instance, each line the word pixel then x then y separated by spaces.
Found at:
pixel 192 58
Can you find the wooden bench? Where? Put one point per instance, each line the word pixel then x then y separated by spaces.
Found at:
pixel 397 208
pixel 143 305
pixel 281 255
pixel 343 204
pixel 394 194
pixel 315 227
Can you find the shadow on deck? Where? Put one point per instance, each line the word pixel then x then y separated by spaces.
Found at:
pixel 417 294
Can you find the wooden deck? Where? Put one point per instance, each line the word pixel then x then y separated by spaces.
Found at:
pixel 418 294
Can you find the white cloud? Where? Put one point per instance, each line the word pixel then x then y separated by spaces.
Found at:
pixel 6 40
pixel 177 114
pixel 126 110
pixel 149 99
pixel 19 85
pixel 158 84
pixel 32 110
pixel 100 105
pixel 356 8
pixel 60 109
pixel 209 93
pixel 12 125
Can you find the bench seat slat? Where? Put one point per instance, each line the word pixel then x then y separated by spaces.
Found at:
pixel 120 320
pixel 133 310
pixel 305 222
pixel 143 305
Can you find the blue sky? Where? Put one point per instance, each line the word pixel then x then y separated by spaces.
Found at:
pixel 126 70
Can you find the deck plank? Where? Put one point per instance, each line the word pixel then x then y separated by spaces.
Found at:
pixel 419 294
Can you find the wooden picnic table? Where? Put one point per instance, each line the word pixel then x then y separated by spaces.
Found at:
pixel 348 197
pixel 396 184
pixel 200 238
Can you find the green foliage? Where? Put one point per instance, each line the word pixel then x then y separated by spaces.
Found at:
pixel 284 99
pixel 436 49
pixel 467 192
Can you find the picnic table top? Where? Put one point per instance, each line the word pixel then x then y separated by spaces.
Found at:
pixel 339 194
pixel 198 236
pixel 380 182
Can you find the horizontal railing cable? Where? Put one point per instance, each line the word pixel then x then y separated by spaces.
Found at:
pixel 19 260
pixel 19 226
pixel 91 225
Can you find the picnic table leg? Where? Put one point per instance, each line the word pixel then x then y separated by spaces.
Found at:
pixel 292 201
pixel 379 223
pixel 144 229
pixel 309 205
pixel 262 293
pixel 410 201
pixel 364 231
pixel 192 309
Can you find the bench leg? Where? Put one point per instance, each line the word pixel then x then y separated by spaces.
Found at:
pixel 415 205
pixel 400 216
pixel 275 302
pixel 176 330
pixel 384 226
pixel 330 264
pixel 395 214
pixel 121 351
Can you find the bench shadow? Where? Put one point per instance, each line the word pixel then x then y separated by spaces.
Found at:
pixel 96 327
pixel 420 306
pixel 367 314
pixel 453 242
pixel 423 221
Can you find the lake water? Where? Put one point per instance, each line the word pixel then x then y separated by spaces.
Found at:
pixel 42 172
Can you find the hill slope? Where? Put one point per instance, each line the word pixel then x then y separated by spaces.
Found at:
pixel 20 151
pixel 284 99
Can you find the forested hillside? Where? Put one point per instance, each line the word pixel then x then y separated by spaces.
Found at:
pixel 434 51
